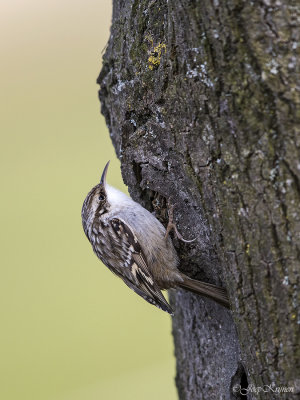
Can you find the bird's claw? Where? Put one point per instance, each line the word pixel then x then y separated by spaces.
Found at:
pixel 172 224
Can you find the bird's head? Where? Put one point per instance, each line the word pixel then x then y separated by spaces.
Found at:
pixel 96 202
pixel 102 187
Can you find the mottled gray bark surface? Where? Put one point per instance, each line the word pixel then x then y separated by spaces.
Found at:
pixel 202 102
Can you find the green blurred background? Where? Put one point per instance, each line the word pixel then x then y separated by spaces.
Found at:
pixel 70 330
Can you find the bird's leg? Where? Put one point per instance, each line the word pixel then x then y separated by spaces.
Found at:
pixel 172 224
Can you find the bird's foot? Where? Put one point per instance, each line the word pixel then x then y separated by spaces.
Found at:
pixel 172 225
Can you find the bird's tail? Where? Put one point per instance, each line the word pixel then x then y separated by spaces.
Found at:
pixel 206 289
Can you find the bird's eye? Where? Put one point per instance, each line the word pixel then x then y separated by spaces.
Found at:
pixel 101 197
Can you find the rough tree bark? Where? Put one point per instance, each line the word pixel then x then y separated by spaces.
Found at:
pixel 202 102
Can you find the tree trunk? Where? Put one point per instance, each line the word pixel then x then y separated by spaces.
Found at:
pixel 202 102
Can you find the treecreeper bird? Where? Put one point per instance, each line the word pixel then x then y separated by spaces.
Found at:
pixel 135 246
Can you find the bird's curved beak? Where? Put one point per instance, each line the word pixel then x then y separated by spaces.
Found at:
pixel 103 177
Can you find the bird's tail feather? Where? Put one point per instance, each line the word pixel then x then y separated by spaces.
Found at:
pixel 206 289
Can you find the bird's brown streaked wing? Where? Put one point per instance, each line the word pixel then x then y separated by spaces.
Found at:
pixel 135 272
